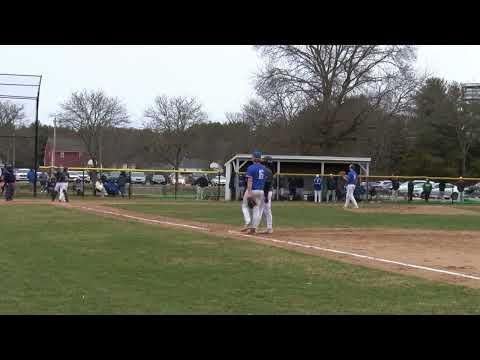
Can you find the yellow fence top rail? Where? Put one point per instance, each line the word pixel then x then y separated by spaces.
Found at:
pixel 418 177
pixel 188 171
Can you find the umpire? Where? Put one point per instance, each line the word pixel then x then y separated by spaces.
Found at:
pixel 9 179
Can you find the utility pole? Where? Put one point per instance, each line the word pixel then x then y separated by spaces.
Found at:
pixel 52 162
pixel 14 147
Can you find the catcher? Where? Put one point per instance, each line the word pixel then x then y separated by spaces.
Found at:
pixel 254 195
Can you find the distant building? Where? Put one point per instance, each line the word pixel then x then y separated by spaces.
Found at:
pixel 471 91
pixel 69 152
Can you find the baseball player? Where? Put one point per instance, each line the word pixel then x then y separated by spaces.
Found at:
pixel 268 193
pixel 351 179
pixel 61 185
pixel 317 189
pixel 254 195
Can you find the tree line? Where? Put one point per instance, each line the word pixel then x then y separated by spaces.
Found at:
pixel 344 100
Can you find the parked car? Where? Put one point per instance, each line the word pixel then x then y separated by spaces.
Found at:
pixel 181 179
pixel 138 178
pixel 403 189
pixel 21 174
pixel 74 175
pixel 451 191
pixel 114 175
pixel 215 181
pixel 384 185
pixel 158 179
pixel 418 189
pixel 473 190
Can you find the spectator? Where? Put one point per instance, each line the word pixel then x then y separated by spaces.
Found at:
pixel 427 189
pixel 31 177
pixel 66 177
pixel 122 181
pixel 2 181
pixel 395 187
pixel 300 187
pixel 51 184
pixel 201 183
pixel 78 186
pixel 341 186
pixel 461 188
pixel 292 188
pixel 331 186
pixel 410 190
pixel 111 187
pixel 100 188
pixel 231 185
pixel 9 180
pixel 441 190
pixel 373 193
pixel 43 178
pixel 317 189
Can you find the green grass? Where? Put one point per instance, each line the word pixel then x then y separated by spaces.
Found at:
pixel 308 215
pixel 59 261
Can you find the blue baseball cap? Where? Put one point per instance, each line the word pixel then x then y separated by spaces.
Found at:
pixel 257 154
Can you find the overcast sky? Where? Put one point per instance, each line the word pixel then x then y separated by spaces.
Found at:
pixel 220 76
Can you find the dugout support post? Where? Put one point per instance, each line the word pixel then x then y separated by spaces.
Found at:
pixel 130 185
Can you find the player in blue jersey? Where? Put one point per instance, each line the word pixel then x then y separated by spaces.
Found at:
pixel 268 194
pixel 255 187
pixel 317 189
pixel 351 179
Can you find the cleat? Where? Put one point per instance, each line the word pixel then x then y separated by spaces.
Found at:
pixel 266 231
pixel 252 231
pixel 245 228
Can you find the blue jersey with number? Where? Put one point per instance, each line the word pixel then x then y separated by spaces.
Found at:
pixel 317 183
pixel 352 177
pixel 258 173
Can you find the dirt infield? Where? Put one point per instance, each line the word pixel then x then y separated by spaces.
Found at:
pixel 454 251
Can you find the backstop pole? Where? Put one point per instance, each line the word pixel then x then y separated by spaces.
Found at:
pixel 35 163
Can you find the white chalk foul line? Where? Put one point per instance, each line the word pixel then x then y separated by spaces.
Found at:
pixel 144 219
pixel 358 255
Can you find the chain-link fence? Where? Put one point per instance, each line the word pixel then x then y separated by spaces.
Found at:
pixel 127 183
pixel 177 185
pixel 300 187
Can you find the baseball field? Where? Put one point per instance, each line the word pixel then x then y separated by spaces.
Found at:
pixel 104 256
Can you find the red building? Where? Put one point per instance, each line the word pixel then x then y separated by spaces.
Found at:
pixel 69 152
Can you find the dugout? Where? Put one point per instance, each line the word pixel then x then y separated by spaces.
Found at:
pixel 298 165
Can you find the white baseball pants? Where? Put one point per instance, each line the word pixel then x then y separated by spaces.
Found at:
pixel 317 196
pixel 267 210
pixel 258 196
pixel 350 198
pixel 60 188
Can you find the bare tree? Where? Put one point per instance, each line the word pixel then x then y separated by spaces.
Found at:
pixel 326 76
pixel 11 117
pixel 171 118
pixel 89 114
pixel 11 114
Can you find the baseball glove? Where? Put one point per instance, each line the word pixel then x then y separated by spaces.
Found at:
pixel 251 202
